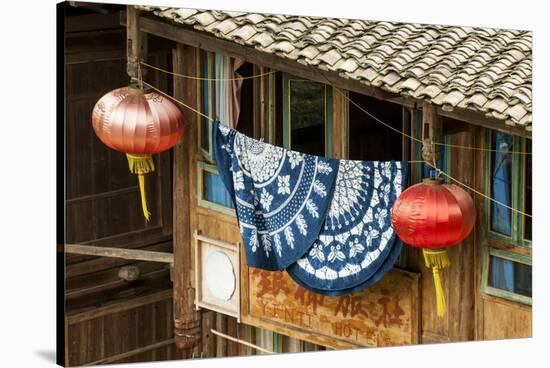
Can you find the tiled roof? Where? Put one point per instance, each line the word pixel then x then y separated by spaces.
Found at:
pixel 482 69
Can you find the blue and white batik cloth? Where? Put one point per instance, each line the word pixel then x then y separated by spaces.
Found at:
pixel 357 244
pixel 328 222
pixel 280 196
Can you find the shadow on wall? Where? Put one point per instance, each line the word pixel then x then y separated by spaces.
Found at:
pixel 48 355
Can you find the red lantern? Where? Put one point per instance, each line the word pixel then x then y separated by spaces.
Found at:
pixel 432 216
pixel 137 122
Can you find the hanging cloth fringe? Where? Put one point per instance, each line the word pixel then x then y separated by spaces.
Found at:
pixel 141 165
pixel 437 259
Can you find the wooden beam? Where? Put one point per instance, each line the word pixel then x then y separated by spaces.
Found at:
pixel 340 124
pixel 477 118
pixel 133 40
pixel 205 41
pixel 96 264
pixel 186 319
pixel 91 22
pixel 130 353
pixel 242 342
pixel 406 128
pixel 102 195
pixel 431 132
pixel 120 306
pixel 132 254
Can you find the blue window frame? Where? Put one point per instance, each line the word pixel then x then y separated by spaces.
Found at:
pixel 528 193
pixel 501 183
pixel 206 100
pixel 211 190
pixel 509 178
pixel 507 274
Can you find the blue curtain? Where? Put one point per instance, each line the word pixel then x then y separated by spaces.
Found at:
pixel 502 274
pixel 501 217
pixel 511 276
pixel 214 190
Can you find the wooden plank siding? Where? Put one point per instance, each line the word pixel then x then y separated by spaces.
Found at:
pixel 495 318
pixel 136 334
pixel 108 319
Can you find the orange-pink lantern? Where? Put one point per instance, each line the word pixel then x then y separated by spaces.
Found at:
pixel 138 122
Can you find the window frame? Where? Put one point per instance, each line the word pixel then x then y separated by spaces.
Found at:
pixel 210 56
pixel 201 200
pixel 287 79
pixel 518 195
pixel 501 293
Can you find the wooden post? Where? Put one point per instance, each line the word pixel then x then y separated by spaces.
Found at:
pixel 136 42
pixel 406 128
pixel 133 45
pixel 186 320
pixel 431 128
pixel 340 124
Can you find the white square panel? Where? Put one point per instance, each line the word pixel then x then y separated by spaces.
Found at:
pixel 217 272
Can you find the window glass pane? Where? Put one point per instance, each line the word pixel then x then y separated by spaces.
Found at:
pixel 528 223
pixel 214 190
pixel 501 183
pixel 510 276
pixel 205 100
pixel 368 139
pixel 307 116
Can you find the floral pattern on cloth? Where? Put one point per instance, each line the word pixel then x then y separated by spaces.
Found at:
pixel 280 196
pixel 357 244
pixel 326 221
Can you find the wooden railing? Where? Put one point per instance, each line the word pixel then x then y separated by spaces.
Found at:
pixel 131 254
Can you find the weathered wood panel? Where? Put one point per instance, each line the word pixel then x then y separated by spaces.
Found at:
pixel 145 335
pixel 109 319
pixel 186 318
pixel 505 320
pixel 495 318
pixel 384 314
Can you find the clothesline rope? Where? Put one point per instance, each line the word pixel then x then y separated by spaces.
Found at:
pixel 410 162
pixel 205 79
pixel 242 342
pixel 346 97
pixel 414 138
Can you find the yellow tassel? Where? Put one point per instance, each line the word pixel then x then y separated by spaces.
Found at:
pixel 436 259
pixel 141 165
pixel 146 213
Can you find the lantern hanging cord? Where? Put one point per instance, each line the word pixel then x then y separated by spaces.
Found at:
pixel 439 171
pixel 175 100
pixel 141 62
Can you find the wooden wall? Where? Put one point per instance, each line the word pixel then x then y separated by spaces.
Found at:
pixel 471 314
pixel 109 319
pixel 495 318
pixel 188 217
